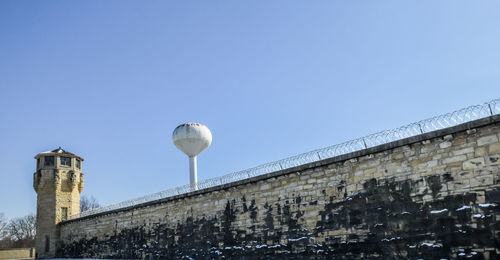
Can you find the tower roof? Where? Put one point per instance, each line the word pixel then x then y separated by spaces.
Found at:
pixel 58 151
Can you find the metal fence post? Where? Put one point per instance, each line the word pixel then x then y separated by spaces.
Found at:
pixel 419 126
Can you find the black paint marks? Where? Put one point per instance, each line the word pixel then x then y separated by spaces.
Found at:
pixel 384 221
pixel 434 183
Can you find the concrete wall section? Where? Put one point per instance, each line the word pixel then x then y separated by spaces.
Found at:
pixel 427 198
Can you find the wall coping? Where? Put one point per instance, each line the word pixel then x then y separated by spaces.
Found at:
pixel 344 157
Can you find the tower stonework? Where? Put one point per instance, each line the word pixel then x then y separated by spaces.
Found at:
pixel 58 182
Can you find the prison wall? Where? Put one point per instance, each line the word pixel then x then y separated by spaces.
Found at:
pixel 431 196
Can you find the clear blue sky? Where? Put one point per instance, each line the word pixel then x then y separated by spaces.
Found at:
pixel 110 80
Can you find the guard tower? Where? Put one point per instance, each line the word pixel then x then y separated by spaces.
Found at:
pixel 58 182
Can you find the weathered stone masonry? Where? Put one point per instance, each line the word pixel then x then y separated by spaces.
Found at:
pixel 431 196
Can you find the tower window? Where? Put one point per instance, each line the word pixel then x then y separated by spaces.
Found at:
pixel 78 164
pixel 47 244
pixel 38 163
pixel 49 161
pixel 65 161
pixel 64 213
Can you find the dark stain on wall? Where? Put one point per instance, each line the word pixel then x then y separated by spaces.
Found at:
pixel 434 182
pixel 382 222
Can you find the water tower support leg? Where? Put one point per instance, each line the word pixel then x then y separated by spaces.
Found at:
pixel 193 172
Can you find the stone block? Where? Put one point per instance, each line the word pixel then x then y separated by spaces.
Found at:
pixel 265 187
pixel 431 164
pixel 487 140
pixel 461 185
pixel 445 144
pixel 493 159
pixel 457 142
pixel 357 179
pixel 482 181
pixel 494 148
pixel 463 151
pixel 427 149
pixel 310 181
pixel 369 171
pixel 447 137
pixel 397 156
pixel 453 159
pixel 473 163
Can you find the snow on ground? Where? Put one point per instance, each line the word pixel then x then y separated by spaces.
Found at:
pixel 438 211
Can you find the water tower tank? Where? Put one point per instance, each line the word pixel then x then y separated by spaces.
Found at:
pixel 192 139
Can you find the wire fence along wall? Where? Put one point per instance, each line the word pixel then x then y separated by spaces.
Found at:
pixel 424 126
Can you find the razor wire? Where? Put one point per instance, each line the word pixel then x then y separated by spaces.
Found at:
pixel 424 126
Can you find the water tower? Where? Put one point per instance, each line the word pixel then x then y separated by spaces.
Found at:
pixel 192 139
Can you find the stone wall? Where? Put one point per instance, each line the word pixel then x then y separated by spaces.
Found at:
pixel 431 196
pixel 17 253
